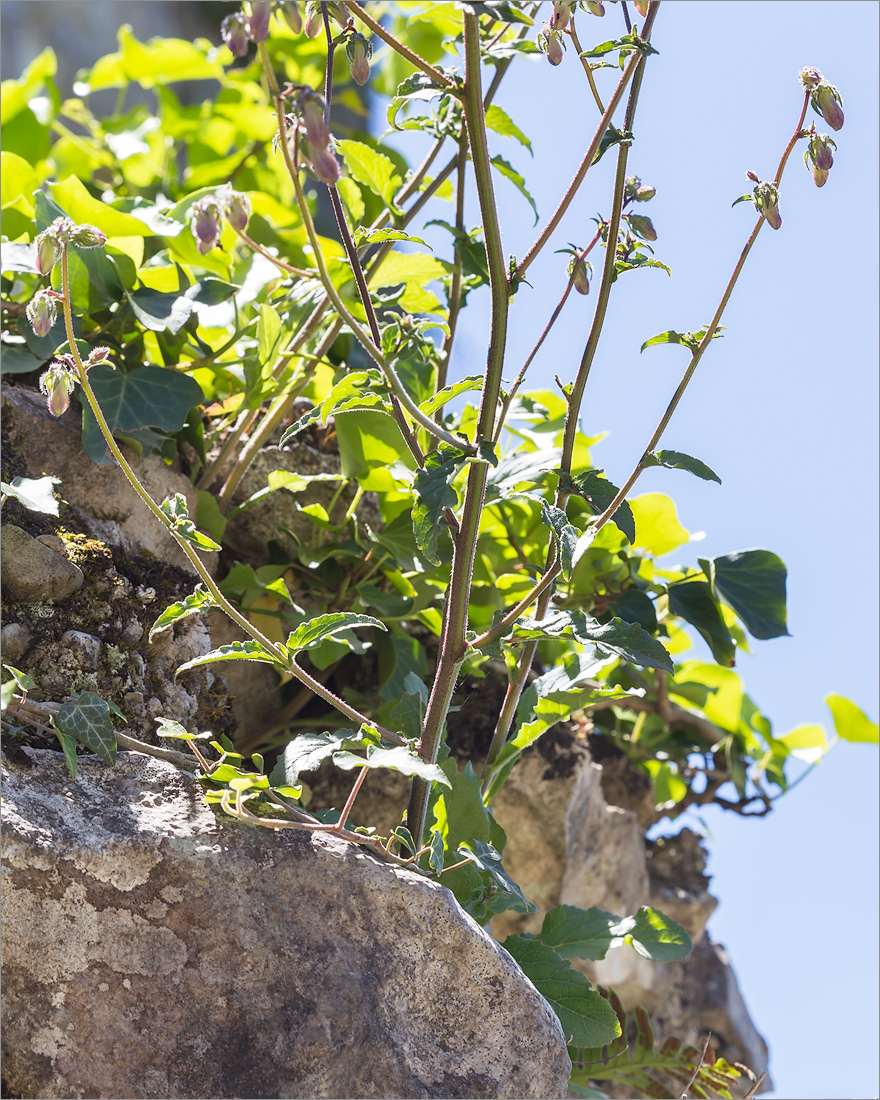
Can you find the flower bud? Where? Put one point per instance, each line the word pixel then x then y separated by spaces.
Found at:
pixel 359 53
pixel 48 251
pixel 645 194
pixel 323 163
pixel 552 43
pixel 641 7
pixel 824 97
pixel 595 7
pixel 311 107
pixel 561 14
pixel 767 202
pixel 631 186
pixel 642 227
pixel 314 23
pixel 819 155
pixel 580 268
pixel 57 384
pixel 206 223
pixel 98 355
pixel 258 20
pixel 87 236
pixel 290 9
pixel 234 34
pixel 42 312
pixel 236 207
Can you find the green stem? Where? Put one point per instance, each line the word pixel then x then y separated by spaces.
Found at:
pixel 587 68
pixel 510 618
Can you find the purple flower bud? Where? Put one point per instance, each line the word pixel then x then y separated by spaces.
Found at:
pixel 826 102
pixel 48 251
pixel 258 21
pixel 292 15
pixel 236 207
pixel 359 52
pixel 323 163
pixel 87 236
pixel 98 355
pixel 580 268
pixel 767 202
pixel 234 34
pixel 819 155
pixel 42 312
pixel 642 227
pixel 561 14
pixel 753 176
pixel 641 7
pixel 314 23
pixel 57 384
pixel 595 7
pixel 312 106
pixel 206 223
pixel 552 43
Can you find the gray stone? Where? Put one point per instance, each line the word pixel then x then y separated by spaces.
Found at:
pixel 34 573
pixel 83 649
pixel 15 640
pixel 152 950
pixel 54 542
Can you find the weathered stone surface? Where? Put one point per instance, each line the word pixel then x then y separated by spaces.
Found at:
pixel 34 572
pixel 152 951
pixel 15 641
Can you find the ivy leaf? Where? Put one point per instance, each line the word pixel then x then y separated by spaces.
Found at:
pixel 175 509
pixel 654 936
pixel 200 600
pixel 627 640
pixel 433 493
pixel 400 759
pixel 88 721
pixel 486 858
pixel 676 460
pixel 364 237
pixel 235 651
pixel 304 754
pixel 310 634
pixel 753 583
pixel 508 171
pixel 579 933
pixel 159 310
pixel 374 170
pixel 693 602
pixel 587 1019
pixel 68 744
pixel 850 723
pixel 36 494
pixel 501 123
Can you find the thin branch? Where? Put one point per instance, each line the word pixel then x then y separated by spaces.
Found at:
pixel 699 1066
pixel 396 45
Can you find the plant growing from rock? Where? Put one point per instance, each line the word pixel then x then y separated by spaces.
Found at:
pixel 498 538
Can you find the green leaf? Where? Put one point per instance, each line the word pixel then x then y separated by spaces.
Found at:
pixel 753 583
pixel 657 526
pixel 74 197
pixel 472 382
pixel 175 509
pixel 364 237
pixel 610 138
pixel 19 680
pixel 304 754
pixel 599 492
pixel 433 493
pixel 371 168
pixel 235 651
pixel 409 712
pixel 672 337
pixel 200 600
pixel 88 721
pixel 459 814
pixel 501 123
pixel 158 310
pixel 567 537
pixel 675 460
pixel 18 181
pixel 312 633
pixel 500 10
pixel 68 744
pixel 509 172
pixel 35 494
pixel 579 933
pixel 655 936
pixel 627 640
pixel 400 759
pixel 486 858
pixel 169 728
pixel 419 86
pixel 268 334
pixel 144 397
pixel 693 602
pixel 850 723
pixel 587 1019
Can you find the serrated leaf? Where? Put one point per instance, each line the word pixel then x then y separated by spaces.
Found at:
pixel 500 122
pixel 200 600
pixel 88 721
pixel 655 936
pixel 313 416
pixel 587 1019
pixel 693 602
pixel 374 170
pixel 409 713
pixel 753 583
pixel 676 460
pixel 509 172
pixel 566 535
pixel 36 494
pixel 486 858
pixel 235 651
pixel 627 640
pixel 579 933
pixel 418 86
pixel 304 754
pixel 850 723
pixel 364 237
pixel 599 492
pixel 175 508
pixel 472 382
pixel 400 759
pixel 433 493
pixel 312 633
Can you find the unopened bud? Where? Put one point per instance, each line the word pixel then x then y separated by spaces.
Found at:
pixel 98 355
pixel 234 34
pixel 312 106
pixel 87 236
pixel 314 23
pixel 552 43
pixel 48 251
pixel 767 202
pixel 561 14
pixel 753 176
pixel 258 20
pixel 824 97
pixel 631 186
pixel 323 163
pixel 645 194
pixel 580 269
pixel 642 227
pixel 236 207
pixel 359 53
pixel 595 7
pixel 641 7
pixel 292 15
pixel 42 312
pixel 57 384
pixel 206 223
pixel 819 155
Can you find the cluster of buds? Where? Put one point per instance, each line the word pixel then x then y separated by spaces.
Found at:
pixel 550 40
pixel 309 123
pixel 42 311
pixel 58 381
pixel 251 25
pixel 206 216
pixel 359 52
pixel 562 13
pixel 635 190
pixel 50 243
pixel 824 97
pixel 766 200
pixel 819 155
pixel 314 23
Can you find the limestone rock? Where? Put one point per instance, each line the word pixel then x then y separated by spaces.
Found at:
pixel 34 572
pixel 15 641
pixel 151 950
